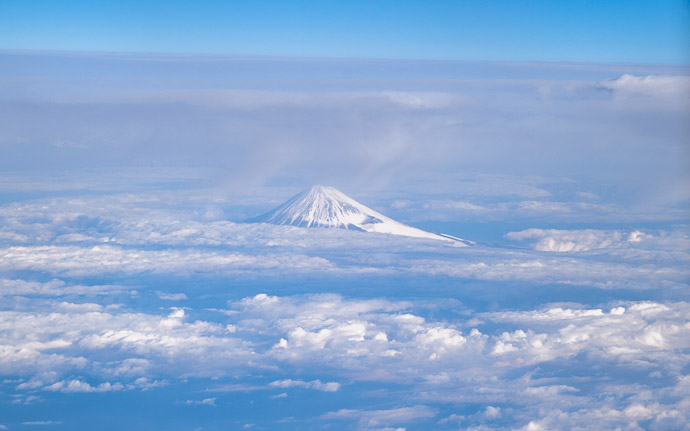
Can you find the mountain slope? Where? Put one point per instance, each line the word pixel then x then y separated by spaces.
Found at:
pixel 322 206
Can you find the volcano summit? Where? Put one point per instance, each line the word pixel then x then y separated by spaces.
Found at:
pixel 326 207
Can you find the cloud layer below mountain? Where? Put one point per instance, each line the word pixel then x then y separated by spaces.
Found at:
pixel 130 285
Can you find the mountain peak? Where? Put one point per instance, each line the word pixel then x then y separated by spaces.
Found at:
pixel 318 188
pixel 324 192
pixel 320 206
pixel 324 206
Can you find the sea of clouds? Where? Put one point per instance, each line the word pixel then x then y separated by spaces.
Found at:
pixel 130 286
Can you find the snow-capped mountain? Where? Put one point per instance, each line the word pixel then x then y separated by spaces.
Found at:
pixel 322 206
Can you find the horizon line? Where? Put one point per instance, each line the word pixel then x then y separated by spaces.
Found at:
pixel 265 57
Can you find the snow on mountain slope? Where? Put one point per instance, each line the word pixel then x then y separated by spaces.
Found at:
pixel 322 206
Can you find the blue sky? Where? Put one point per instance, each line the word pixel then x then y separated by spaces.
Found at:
pixel 591 31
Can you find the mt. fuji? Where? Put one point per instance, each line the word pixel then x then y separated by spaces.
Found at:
pixel 326 207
